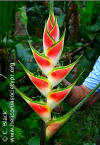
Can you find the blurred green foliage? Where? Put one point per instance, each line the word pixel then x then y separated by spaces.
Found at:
pixel 6 15
pixel 83 128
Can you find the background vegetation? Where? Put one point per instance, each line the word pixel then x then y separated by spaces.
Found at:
pixel 21 21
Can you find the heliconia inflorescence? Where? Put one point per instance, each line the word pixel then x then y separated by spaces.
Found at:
pixel 47 61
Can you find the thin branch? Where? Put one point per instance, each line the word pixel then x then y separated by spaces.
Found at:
pixel 81 48
pixel 73 53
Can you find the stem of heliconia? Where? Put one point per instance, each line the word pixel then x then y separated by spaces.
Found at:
pixel 51 6
pixel 51 141
pixel 43 130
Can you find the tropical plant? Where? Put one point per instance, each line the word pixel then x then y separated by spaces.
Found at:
pixel 47 61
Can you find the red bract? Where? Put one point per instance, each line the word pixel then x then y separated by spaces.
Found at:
pixel 42 83
pixel 51 32
pixel 52 49
pixel 42 110
pixel 54 52
pixel 43 62
pixel 57 96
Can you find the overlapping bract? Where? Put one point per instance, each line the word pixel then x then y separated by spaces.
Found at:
pixel 43 61
pixel 57 123
pixel 41 108
pixel 52 48
pixel 51 32
pixel 52 45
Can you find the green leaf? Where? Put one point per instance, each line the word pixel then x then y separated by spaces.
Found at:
pixel 89 9
pixel 7 13
pixel 34 141
pixel 4 86
pixel 18 133
pixel 23 15
pixel 96 26
pixel 91 36
pixel 26 57
pixel 4 105
pixel 98 37
pixel 18 75
pixel 89 144
pixel 24 88
pixel 60 20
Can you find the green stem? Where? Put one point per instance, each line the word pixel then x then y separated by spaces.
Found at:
pixel 50 141
pixel 51 6
pixel 81 103
pixel 86 98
